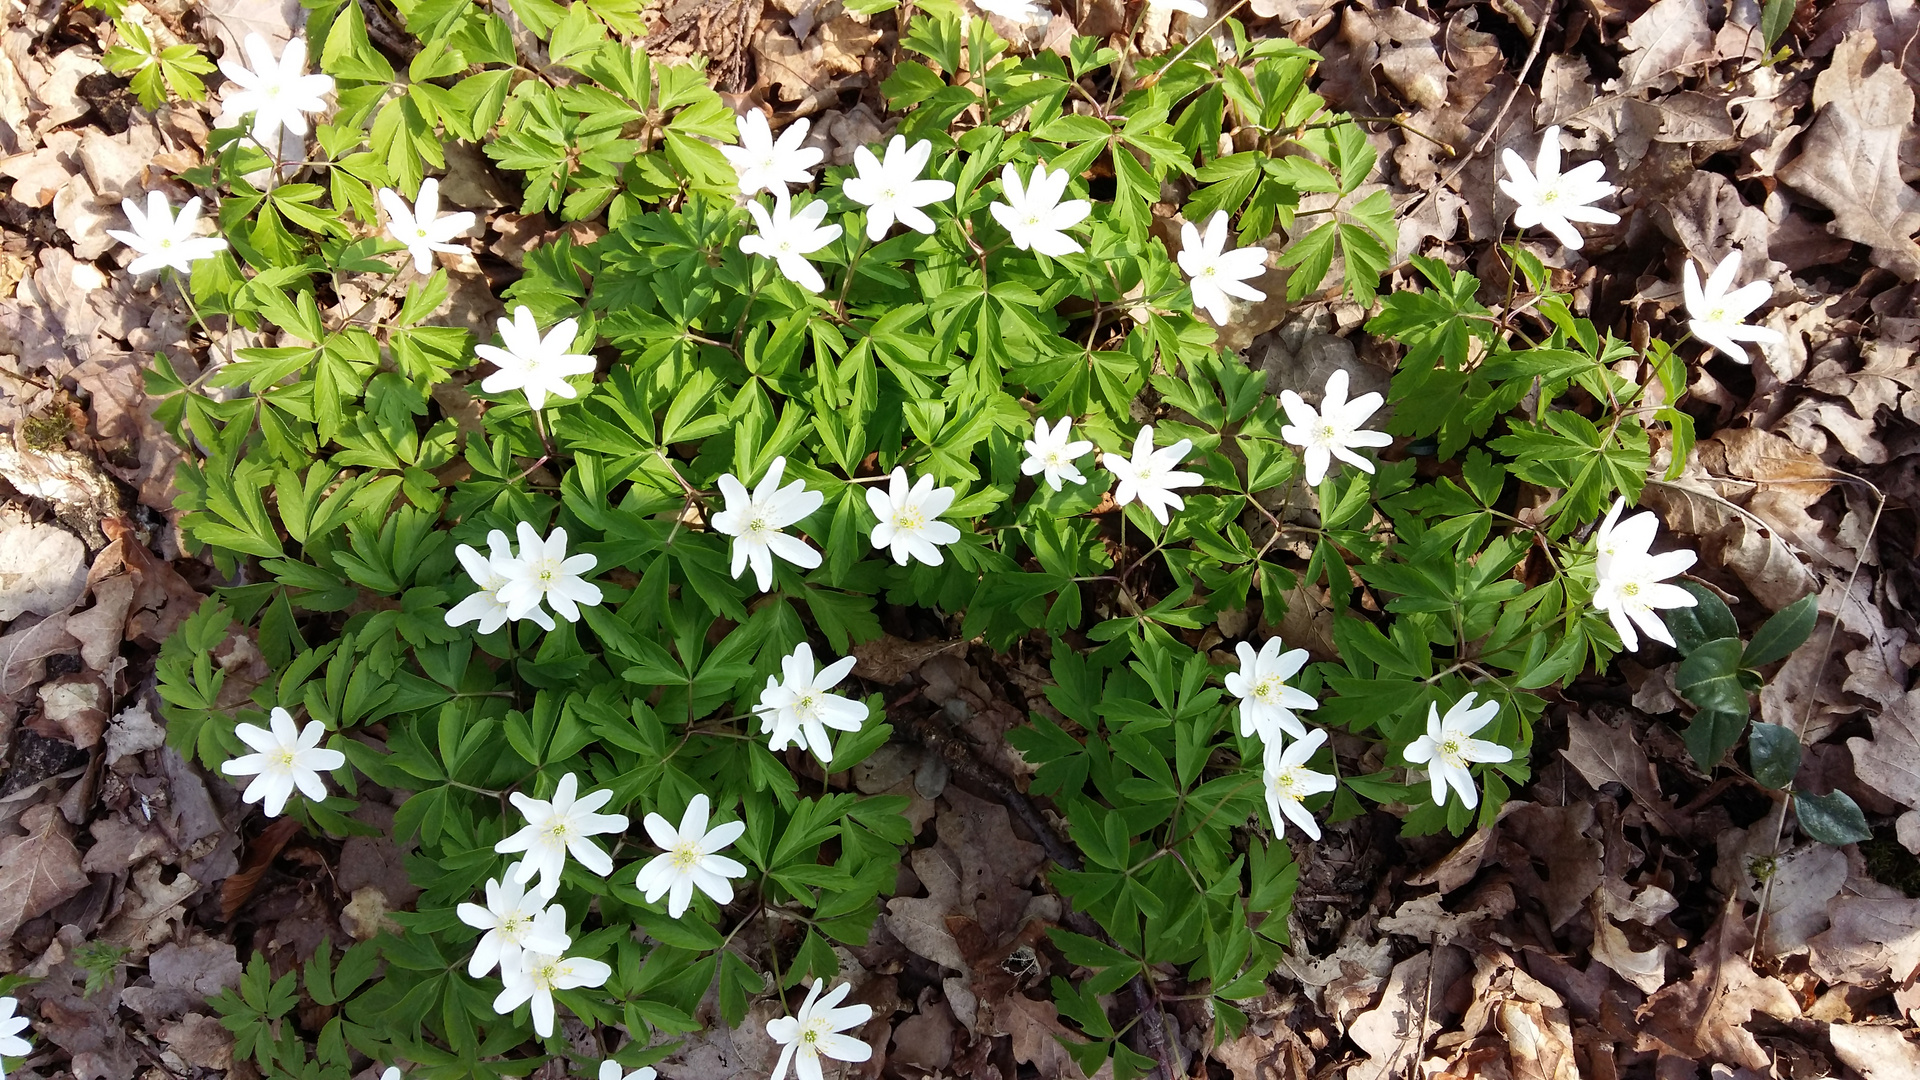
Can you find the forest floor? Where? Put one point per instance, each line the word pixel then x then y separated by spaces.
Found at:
pixel 1611 924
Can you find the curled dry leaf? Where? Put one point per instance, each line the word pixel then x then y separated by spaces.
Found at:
pixel 1612 904
pixel 1730 537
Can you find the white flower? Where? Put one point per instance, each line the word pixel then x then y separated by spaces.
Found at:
pixel 891 189
pixel 754 521
pixel 1716 315
pixel 799 709
pixel 392 1073
pixel 1632 581
pixel 1195 8
pixel 1267 703
pixel 421 228
pixel 288 757
pixel 1553 199
pixel 1021 12
pixel 1034 215
pixel 613 1070
pixel 11 1044
pixel 908 522
pixel 1151 475
pixel 1214 272
pixel 1448 748
pixel 545 572
pixel 690 859
pixel 1334 430
pixel 160 239
pixel 1289 782
pixel 278 92
pixel 1050 453
pixel 788 238
pixel 537 976
pixel 490 572
pixel 765 165
pixel 558 827
pixel 814 1033
pixel 514 919
pixel 538 365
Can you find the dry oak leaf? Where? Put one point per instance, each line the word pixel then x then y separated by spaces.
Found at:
pixel 1852 161
pixel 1673 34
pixel 1874 940
pixel 1705 1018
pixel 1877 1052
pixel 799 73
pixel 1890 763
pixel 1037 1033
pixel 1606 754
pixel 38 870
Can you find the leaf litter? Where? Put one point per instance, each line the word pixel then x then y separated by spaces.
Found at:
pixel 1609 924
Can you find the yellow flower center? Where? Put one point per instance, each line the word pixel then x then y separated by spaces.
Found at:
pixel 685 857
pixel 1450 749
pixel 283 759
pixel 910 520
pixel 1631 588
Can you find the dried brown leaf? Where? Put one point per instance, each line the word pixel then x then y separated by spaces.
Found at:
pixel 1852 160
pixel 1876 1051
pixel 1890 761
pixel 1705 1018
pixel 73 708
pixel 1037 1033
pixel 1645 968
pixel 38 870
pixel 1729 537
pixel 1391 1032
pixel 42 568
pixel 1874 941
pixel 1604 754
pixel 1671 36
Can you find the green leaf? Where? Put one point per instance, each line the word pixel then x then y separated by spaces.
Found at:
pixel 1775 17
pixel 1775 752
pixel 1708 620
pixel 1786 631
pixel 1831 819
pixel 1710 677
pixel 1711 733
